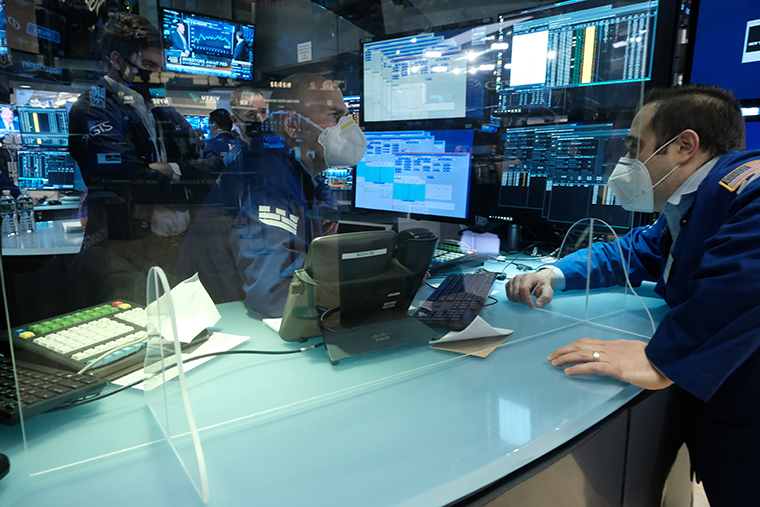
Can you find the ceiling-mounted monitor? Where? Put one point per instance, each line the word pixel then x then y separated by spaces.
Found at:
pixel 200 45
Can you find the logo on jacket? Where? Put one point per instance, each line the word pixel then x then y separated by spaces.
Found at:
pixel 99 128
pixel 98 96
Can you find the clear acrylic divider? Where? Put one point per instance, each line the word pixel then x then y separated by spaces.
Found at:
pixel 166 390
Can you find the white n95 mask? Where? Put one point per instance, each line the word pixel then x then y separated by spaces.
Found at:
pixel 344 144
pixel 632 185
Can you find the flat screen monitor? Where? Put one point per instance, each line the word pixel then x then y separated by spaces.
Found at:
pixel 8 119
pixel 40 126
pixel 582 55
pixel 199 123
pixel 422 172
pixel 47 170
pixel 559 173
pixel 353 103
pixel 200 45
pixel 440 74
pixel 726 46
pixel 752 130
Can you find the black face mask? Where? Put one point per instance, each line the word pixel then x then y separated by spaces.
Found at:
pixel 253 128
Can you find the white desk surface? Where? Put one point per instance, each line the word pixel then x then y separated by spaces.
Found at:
pixel 412 426
pixel 50 239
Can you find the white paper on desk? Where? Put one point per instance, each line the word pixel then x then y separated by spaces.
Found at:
pixel 217 342
pixel 273 324
pixel 478 328
pixel 194 309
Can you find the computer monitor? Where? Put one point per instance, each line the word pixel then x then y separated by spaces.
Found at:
pixel 421 172
pixel 558 174
pixel 726 46
pixel 48 170
pixel 438 74
pixel 578 56
pixel 46 127
pixel 353 103
pixel 752 134
pixel 199 123
pixel 3 32
pixel 200 45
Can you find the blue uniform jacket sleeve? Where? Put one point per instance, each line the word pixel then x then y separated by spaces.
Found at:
pixel 641 246
pixel 703 340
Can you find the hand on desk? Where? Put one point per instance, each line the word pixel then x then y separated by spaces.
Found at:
pixel 621 359
pixel 164 169
pixel 522 288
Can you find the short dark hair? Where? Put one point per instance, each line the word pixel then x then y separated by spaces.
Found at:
pixel 238 99
pixel 711 111
pixel 222 118
pixel 128 34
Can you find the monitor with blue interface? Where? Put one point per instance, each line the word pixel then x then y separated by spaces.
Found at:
pixel 559 173
pixel 3 32
pixel 424 76
pixel 199 123
pixel 200 45
pixel 425 172
pixel 727 46
pixel 42 126
pixel 48 170
pixel 576 55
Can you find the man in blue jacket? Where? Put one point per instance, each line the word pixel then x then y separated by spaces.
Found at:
pixel 222 139
pixel 272 201
pixel 685 160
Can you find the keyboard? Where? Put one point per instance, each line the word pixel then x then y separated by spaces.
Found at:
pixel 448 257
pixel 112 336
pixel 41 388
pixel 457 300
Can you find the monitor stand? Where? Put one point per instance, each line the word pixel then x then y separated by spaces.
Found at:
pixel 374 335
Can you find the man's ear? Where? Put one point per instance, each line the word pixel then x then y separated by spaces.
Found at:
pixel 117 61
pixel 291 124
pixel 688 145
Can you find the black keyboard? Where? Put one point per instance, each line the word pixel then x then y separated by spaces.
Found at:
pixel 41 388
pixel 457 300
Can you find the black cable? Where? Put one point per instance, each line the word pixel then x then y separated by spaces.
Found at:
pixel 85 401
pixel 494 301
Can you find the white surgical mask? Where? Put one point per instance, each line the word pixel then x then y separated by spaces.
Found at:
pixel 632 185
pixel 344 144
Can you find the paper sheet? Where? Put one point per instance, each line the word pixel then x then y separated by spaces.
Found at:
pixel 217 342
pixel 478 339
pixel 195 311
pixel 273 324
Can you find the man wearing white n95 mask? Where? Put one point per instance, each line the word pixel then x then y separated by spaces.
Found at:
pixel 275 186
pixel 684 160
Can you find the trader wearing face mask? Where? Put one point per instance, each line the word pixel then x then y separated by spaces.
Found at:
pixel 281 200
pixel 685 160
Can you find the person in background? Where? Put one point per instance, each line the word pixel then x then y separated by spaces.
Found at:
pixel 222 139
pixel 240 48
pixel 8 118
pixel 179 42
pixel 272 201
pixel 686 160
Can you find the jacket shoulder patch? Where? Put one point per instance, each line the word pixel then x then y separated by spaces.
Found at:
pixel 736 177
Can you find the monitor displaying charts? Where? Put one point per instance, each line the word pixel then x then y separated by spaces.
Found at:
pixel 200 45
pixel 199 123
pixel 43 126
pixel 424 172
pixel 47 170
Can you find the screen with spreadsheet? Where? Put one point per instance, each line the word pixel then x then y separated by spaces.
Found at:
pixel 561 172
pixel 42 126
pixel 434 75
pixel 46 170
pixel 575 55
pixel 425 172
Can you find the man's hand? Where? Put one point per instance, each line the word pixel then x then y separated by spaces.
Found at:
pixel 621 359
pixel 164 169
pixel 522 288
pixel 329 228
pixel 240 124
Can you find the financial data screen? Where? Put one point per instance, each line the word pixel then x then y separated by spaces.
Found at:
pixel 199 45
pixel 417 172
pixel 429 75
pixel 43 126
pixel 562 171
pixel 46 170
pixel 199 123
pixel 542 56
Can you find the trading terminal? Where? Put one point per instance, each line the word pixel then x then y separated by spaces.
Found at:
pixel 339 277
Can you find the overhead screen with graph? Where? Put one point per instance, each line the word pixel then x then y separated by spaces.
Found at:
pixel 201 45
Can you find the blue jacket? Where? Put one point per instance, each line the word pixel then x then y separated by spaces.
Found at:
pixel 709 342
pixel 221 144
pixel 256 227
